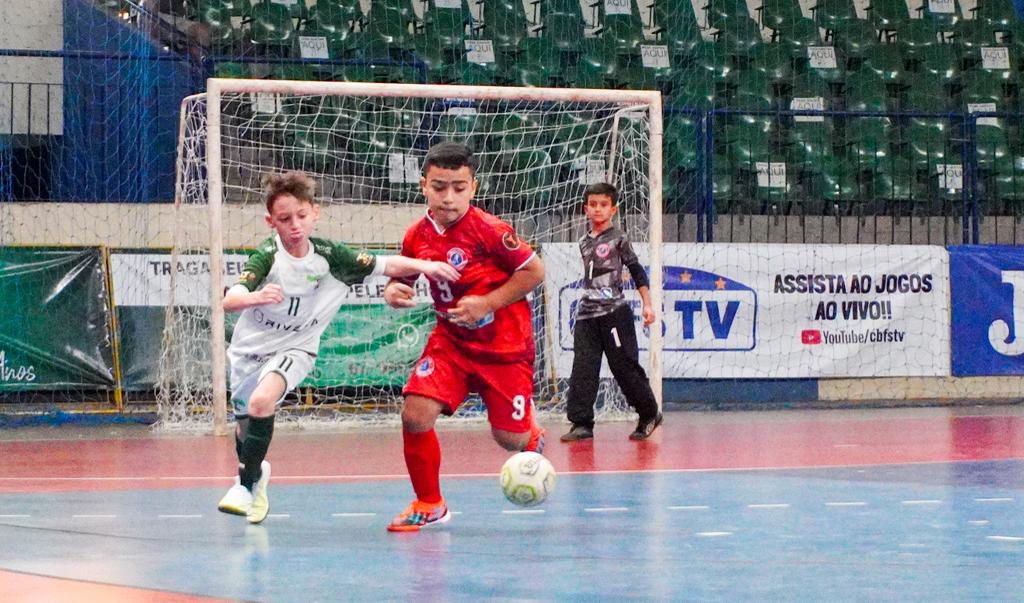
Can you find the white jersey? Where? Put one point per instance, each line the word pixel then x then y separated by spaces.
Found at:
pixel 314 288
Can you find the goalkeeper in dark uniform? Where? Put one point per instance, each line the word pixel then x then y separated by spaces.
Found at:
pixel 604 322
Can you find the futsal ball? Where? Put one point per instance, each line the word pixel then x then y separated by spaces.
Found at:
pixel 527 478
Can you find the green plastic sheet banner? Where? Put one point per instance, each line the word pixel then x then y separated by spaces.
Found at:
pixel 54 329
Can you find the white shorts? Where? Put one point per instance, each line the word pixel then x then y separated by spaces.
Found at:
pixel 247 370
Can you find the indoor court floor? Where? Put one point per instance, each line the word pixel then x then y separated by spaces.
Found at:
pixel 922 504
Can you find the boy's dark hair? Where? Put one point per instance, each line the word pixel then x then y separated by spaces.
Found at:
pixel 601 188
pixel 294 183
pixel 449 156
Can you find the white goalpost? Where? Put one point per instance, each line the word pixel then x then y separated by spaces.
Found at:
pixel 363 143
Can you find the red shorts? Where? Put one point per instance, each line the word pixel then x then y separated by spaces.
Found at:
pixel 445 374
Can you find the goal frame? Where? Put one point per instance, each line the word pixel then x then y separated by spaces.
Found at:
pixel 215 87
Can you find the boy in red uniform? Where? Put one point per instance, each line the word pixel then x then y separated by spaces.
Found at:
pixel 483 340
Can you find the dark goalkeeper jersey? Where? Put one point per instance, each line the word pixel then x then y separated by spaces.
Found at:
pixel 604 257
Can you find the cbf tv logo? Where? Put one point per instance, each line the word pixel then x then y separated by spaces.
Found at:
pixel 703 311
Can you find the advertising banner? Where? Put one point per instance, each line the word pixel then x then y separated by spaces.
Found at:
pixel 54 333
pixel 367 343
pixel 783 311
pixel 987 300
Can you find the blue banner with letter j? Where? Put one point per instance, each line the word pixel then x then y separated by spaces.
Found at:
pixel 987 298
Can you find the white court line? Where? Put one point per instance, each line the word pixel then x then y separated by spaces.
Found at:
pixel 928 501
pixel 769 506
pixel 96 516
pixel 606 509
pixel 521 511
pixel 196 516
pixel 1005 538
pixel 993 500
pixel 851 503
pixel 279 515
pixel 689 507
pixel 14 516
pixel 978 522
pixel 712 534
pixel 353 514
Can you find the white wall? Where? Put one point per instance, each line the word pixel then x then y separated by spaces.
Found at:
pixel 31 25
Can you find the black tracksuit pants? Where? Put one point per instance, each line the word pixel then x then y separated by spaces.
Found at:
pixel 615 336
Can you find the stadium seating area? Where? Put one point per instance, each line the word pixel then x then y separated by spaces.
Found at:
pixel 896 81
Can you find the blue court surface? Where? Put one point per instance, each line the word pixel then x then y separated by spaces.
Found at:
pixel 935 530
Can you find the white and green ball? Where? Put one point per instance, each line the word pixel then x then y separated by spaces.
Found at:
pixel 527 478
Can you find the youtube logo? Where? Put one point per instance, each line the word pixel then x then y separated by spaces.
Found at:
pixel 810 336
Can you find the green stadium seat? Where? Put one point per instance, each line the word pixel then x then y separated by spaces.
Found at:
pixel 809 85
pixel 693 90
pixel 971 36
pixel 738 36
pixel 310 144
pixel 779 14
pixel 626 29
pixel 442 57
pixel 564 30
pixel 888 15
pixel 538 62
pixel 750 136
pixel 886 61
pixel 720 12
pixel 854 37
pixel 334 20
pixel 896 180
pixel 997 13
pixel 808 144
pixel 526 179
pixel 681 141
pixel 505 23
pixel 942 63
pixel 710 61
pixel 271 28
pixel 828 14
pixel 675 25
pixel 916 37
pixel 773 60
pixel 867 137
pixel 798 35
pixel 390 24
pixel 448 24
pixel 603 55
pixel 837 180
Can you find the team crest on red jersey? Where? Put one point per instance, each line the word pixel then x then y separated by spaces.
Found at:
pixel 457 257
pixel 425 367
pixel 510 241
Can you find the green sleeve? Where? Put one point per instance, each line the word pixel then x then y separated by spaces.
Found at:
pixel 348 266
pixel 258 265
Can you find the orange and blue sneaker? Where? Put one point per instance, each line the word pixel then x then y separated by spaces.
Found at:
pixel 420 515
pixel 536 442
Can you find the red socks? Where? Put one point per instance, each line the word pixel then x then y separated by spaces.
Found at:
pixel 423 459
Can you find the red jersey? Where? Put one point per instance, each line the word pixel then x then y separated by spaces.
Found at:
pixel 486 251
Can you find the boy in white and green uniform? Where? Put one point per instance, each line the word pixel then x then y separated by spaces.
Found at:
pixel 287 294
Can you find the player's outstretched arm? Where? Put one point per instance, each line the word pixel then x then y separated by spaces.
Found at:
pixel 239 298
pixel 400 265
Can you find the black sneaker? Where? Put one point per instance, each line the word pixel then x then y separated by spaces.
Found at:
pixel 644 429
pixel 578 432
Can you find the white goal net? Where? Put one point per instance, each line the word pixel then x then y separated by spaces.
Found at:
pixel 538 149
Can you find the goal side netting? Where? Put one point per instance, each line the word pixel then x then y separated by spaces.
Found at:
pixel 538 149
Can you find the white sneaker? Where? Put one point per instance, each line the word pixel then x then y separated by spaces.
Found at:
pixel 237 501
pixel 260 505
